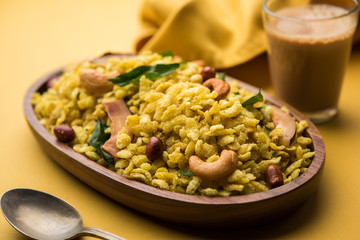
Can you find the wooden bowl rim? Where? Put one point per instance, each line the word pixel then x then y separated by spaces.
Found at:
pixel 314 168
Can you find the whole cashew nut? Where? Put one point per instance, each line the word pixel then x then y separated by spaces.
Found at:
pixel 96 82
pixel 220 169
pixel 219 86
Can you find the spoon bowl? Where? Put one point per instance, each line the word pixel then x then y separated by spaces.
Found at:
pixel 40 215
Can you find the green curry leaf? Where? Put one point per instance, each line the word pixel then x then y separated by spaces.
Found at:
pixel 187 173
pixel 108 158
pixel 221 75
pixel 254 99
pixel 98 138
pixel 164 69
pixel 150 71
pixel 167 54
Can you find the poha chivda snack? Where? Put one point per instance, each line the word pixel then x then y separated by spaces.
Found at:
pixel 174 125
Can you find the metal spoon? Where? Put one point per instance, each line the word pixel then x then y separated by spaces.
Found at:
pixel 43 216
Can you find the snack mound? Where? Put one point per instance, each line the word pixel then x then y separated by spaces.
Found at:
pixel 174 125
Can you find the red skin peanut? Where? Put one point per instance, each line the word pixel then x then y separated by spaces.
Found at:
pixel 154 148
pixel 64 133
pixel 207 73
pixel 273 176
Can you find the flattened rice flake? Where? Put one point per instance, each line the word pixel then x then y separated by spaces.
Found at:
pixel 184 114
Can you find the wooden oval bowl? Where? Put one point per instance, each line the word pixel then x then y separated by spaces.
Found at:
pixel 202 211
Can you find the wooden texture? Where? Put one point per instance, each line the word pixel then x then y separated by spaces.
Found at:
pixel 241 211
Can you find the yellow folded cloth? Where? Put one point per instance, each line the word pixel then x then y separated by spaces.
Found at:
pixel 222 33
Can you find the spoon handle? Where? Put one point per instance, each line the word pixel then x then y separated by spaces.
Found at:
pixel 95 232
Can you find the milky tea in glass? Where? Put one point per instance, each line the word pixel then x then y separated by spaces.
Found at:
pixel 308 49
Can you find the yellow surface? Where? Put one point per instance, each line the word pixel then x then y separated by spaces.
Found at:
pixel 39 36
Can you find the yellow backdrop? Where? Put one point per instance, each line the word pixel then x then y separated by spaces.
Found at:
pixel 38 36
